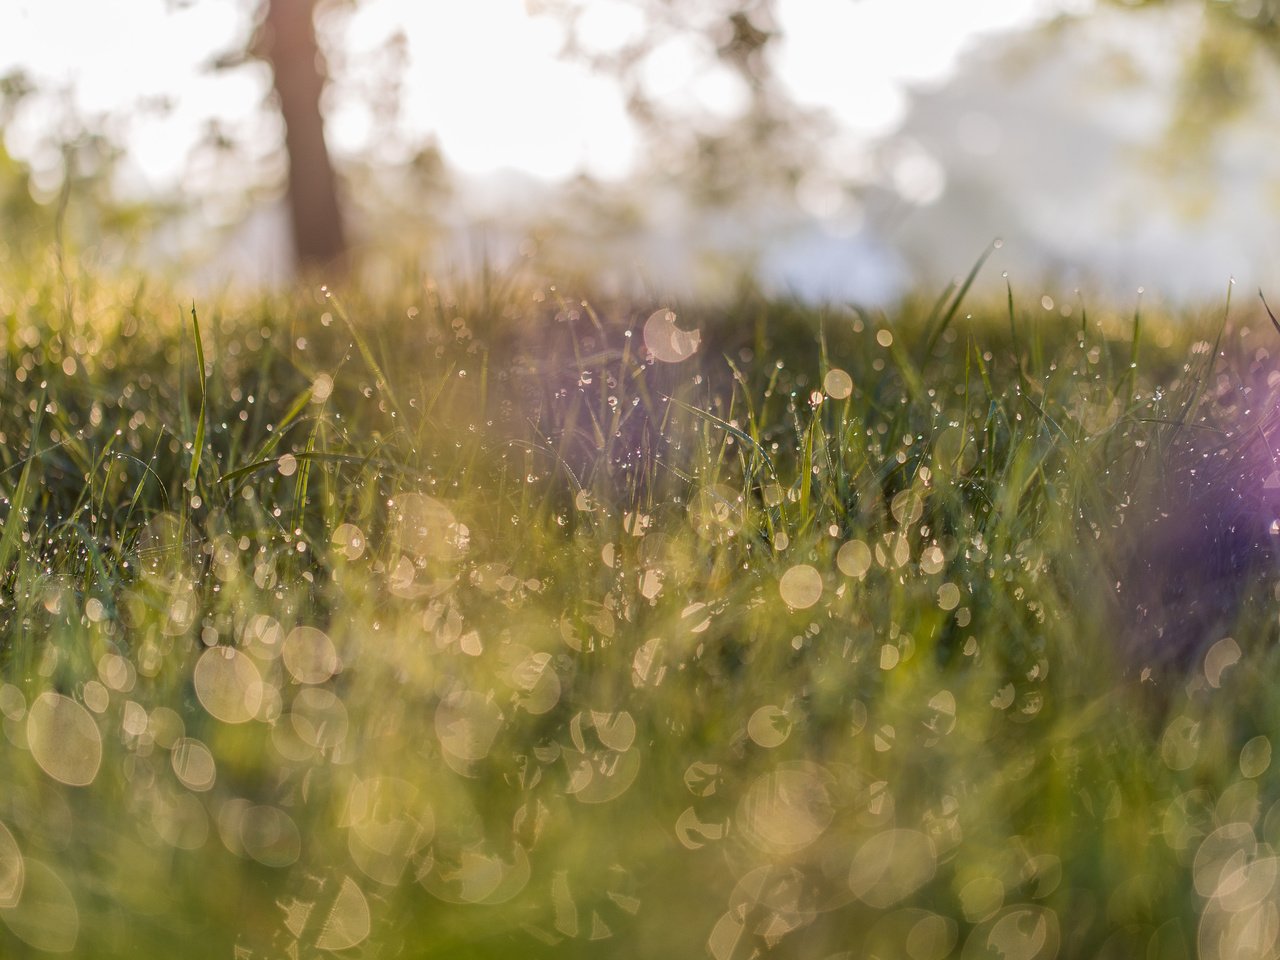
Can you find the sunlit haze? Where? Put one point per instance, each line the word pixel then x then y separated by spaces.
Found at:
pixel 482 77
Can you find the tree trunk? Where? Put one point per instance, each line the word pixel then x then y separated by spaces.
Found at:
pixel 316 219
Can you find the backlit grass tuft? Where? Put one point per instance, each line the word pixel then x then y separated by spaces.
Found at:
pixel 505 622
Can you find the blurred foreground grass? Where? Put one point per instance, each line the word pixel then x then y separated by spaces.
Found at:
pixel 490 621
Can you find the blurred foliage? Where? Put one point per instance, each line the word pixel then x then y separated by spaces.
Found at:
pixel 720 159
pixel 1260 16
pixel 1219 78
pixel 1228 75
pixel 86 212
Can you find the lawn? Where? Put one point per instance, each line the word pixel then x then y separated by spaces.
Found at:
pixel 492 619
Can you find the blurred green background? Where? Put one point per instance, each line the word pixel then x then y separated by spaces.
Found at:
pixel 848 149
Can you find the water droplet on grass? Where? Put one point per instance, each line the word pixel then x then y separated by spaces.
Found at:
pixel 717 513
pixel 269 836
pixel 769 726
pixel 387 824
pixel 96 697
pixel 476 875
pixel 1024 932
pixel 12 703
pixel 981 897
pixel 800 586
pixel 228 685
pixel 1255 757
pixel 427 528
pixel 891 866
pixel 309 655
pixel 322 388
pixel 1220 657
pixel 348 540
pixel 854 559
pixel 1180 744
pixel 348 922
pixel 645 669
pixel 262 637
pixel 667 342
pixel 164 726
pixel 617 731
pixel 12 870
pixel 467 723
pixel 788 809
pixel 599 776
pixel 193 764
pixel 319 718
pixel 45 916
pixel 837 384
pixel 64 739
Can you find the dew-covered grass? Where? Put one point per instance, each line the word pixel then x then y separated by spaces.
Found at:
pixel 497 621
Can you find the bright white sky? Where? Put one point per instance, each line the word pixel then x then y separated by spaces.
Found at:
pixel 482 75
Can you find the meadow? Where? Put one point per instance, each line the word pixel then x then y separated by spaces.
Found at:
pixel 491 619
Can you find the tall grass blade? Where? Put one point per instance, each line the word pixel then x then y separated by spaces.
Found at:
pixel 13 523
pixel 933 337
pixel 197 450
pixel 728 428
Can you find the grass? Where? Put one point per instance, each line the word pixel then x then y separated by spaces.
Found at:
pixel 455 624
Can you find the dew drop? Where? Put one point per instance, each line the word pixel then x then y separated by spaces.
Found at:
pixel 64 739
pixel 800 586
pixel 348 922
pixel 838 384
pixel 228 684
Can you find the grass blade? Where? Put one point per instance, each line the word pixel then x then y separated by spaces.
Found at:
pixel 12 523
pixel 950 315
pixel 197 451
pixel 727 427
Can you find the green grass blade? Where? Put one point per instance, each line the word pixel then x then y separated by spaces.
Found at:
pixel 727 427
pixel 937 332
pixel 197 450
pixel 17 503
